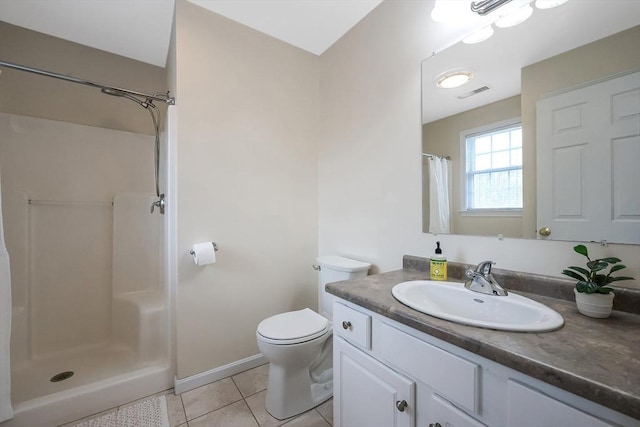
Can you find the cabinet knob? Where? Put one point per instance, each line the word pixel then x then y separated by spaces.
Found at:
pixel 346 324
pixel 435 425
pixel 401 404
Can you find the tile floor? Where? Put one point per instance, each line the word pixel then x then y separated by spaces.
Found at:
pixel 237 401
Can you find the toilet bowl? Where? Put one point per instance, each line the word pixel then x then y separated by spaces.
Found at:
pixel 299 346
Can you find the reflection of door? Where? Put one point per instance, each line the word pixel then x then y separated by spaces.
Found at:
pixel 588 157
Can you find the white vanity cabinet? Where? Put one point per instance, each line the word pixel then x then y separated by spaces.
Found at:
pixel 387 374
pixel 368 393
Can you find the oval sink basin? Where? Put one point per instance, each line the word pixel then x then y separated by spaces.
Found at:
pixel 452 301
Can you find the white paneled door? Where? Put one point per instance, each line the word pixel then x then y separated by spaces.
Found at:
pixel 588 157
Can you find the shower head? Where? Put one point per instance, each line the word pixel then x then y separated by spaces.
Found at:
pixel 115 92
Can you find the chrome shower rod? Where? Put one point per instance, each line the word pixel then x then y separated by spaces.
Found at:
pixel 155 97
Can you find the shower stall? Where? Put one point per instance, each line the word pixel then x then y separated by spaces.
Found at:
pixel 91 305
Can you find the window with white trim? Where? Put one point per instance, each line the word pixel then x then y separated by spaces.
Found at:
pixel 493 178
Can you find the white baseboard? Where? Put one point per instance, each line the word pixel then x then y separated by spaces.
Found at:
pixel 203 378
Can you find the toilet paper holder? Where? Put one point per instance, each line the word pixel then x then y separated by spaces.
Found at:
pixel 215 248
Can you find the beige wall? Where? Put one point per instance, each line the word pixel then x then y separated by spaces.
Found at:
pixel 442 138
pixel 247 179
pixel 619 52
pixel 37 96
pixel 370 149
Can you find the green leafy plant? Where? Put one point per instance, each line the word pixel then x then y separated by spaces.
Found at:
pixel 595 279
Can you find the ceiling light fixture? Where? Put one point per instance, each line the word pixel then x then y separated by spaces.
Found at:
pixel 479 36
pixel 514 18
pixel 453 79
pixel 485 7
pixel 548 4
pixel 449 12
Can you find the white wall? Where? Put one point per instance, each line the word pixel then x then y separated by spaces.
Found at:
pixel 247 114
pixel 369 163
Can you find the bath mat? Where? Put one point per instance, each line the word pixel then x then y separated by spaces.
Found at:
pixel 150 412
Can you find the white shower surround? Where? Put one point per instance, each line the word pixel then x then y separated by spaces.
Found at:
pixel 119 366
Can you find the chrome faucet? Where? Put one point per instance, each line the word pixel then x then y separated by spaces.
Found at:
pixel 481 280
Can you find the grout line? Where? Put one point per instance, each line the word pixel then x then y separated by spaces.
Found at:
pixel 322 416
pixel 184 410
pixel 252 414
pixel 206 413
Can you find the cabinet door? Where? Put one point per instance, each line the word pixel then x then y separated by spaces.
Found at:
pixel 529 408
pixel 367 393
pixel 444 414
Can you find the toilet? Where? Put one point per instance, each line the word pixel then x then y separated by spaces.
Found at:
pixel 299 346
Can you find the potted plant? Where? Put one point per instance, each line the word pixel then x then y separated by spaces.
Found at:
pixel 594 297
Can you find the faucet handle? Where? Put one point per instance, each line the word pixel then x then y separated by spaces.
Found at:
pixel 484 267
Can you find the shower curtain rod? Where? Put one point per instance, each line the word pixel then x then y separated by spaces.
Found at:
pixel 433 155
pixel 155 97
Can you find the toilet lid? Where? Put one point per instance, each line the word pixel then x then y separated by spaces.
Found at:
pixel 292 326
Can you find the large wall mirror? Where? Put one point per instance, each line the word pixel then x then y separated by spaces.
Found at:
pixel 492 122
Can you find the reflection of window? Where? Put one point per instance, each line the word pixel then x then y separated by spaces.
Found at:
pixel 494 169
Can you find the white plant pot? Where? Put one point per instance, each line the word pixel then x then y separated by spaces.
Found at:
pixel 594 305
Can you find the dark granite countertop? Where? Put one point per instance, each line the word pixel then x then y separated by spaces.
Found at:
pixel 597 359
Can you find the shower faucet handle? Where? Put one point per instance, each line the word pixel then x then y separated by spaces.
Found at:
pixel 159 204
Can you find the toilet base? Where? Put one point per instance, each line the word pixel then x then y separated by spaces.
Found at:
pixel 299 396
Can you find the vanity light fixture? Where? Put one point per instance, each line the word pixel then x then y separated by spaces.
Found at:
pixel 548 4
pixel 453 79
pixel 513 13
pixel 514 18
pixel 479 36
pixel 485 7
pixel 449 12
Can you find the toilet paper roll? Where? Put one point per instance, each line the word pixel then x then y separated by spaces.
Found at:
pixel 203 253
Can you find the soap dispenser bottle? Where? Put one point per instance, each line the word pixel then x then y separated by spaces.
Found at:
pixel 438 265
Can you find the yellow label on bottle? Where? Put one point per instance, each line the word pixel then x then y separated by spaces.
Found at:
pixel 438 269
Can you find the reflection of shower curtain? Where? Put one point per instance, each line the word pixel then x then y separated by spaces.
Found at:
pixel 439 190
pixel 6 411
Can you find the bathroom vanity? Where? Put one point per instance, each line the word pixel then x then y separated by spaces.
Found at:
pixel 394 366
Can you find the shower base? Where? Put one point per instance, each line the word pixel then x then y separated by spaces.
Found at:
pixel 105 376
pixel 32 379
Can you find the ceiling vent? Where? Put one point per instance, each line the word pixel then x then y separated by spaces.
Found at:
pixel 474 92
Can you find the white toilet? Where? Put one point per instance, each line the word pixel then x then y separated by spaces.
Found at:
pixel 299 346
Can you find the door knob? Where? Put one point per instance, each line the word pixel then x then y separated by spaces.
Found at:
pixel 544 231
pixel 401 404
pixel 346 325
pixel 435 425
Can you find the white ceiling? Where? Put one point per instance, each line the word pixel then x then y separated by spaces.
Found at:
pixel 312 25
pixel 140 29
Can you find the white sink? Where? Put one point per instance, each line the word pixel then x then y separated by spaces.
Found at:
pixel 452 301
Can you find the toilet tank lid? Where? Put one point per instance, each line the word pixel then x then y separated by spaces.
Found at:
pixel 342 264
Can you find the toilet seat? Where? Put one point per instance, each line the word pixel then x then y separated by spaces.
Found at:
pixel 293 327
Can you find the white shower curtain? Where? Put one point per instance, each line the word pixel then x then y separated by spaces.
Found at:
pixel 439 193
pixel 6 411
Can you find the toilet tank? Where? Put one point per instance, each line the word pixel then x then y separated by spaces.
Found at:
pixel 334 269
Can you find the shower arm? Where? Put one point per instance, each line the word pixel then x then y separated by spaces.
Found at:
pixel 140 98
